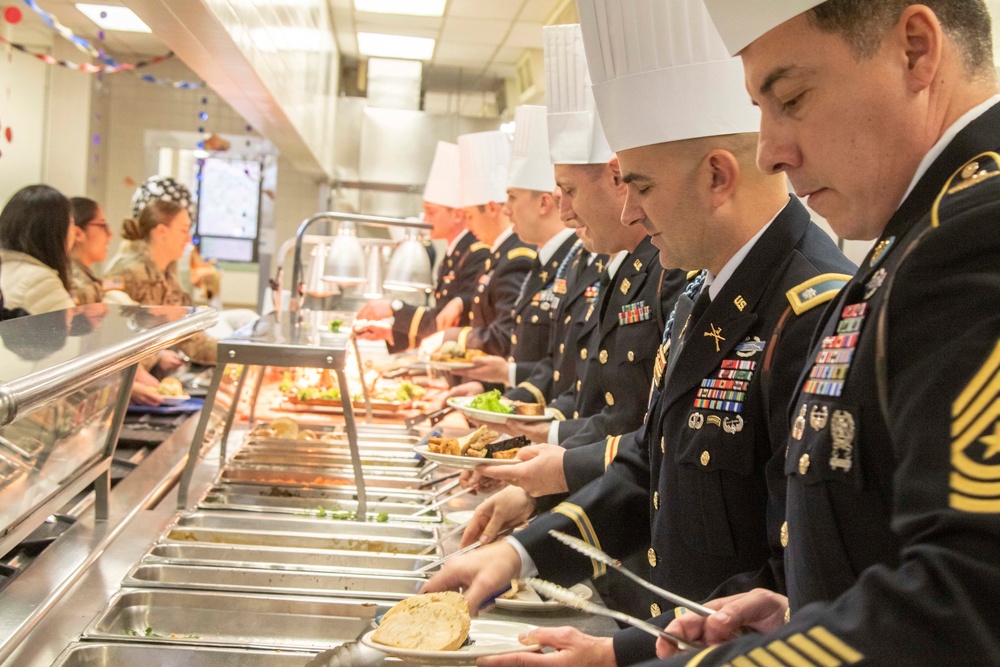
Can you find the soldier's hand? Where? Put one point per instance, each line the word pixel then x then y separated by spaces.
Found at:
pixel 540 474
pixel 378 309
pixel 143 394
pixel 760 610
pixel 471 478
pixel 374 331
pixel 488 368
pixel 482 574
pixel 169 361
pixel 572 649
pixel 507 509
pixel 451 314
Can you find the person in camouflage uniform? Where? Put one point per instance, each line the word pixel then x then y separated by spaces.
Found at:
pixel 92 237
pixel 149 276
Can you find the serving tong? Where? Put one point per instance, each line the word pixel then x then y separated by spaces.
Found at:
pixel 570 599
pixel 593 552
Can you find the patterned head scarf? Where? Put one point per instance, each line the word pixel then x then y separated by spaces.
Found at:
pixel 165 188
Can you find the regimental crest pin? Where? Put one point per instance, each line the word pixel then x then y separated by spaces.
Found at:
pixel 880 251
pixel 626 284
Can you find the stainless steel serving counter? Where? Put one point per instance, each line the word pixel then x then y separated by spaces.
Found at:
pixel 142 507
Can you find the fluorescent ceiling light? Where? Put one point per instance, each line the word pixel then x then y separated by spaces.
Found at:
pixel 113 17
pixel 395 46
pixel 408 7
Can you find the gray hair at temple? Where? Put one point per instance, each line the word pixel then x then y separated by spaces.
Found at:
pixel 864 23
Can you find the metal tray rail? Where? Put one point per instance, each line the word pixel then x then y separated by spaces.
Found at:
pixel 294 457
pixel 320 494
pixel 376 485
pixel 249 580
pixel 109 654
pixel 323 465
pixel 254 538
pixel 232 619
pixel 218 519
pixel 284 558
pixel 339 448
pixel 319 508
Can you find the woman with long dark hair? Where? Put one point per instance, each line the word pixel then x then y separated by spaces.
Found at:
pixel 35 239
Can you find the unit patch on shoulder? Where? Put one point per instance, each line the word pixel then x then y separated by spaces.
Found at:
pixel 975 445
pixel 979 169
pixel 815 291
pixel 521 252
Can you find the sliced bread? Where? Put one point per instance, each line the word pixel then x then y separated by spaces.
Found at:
pixel 428 622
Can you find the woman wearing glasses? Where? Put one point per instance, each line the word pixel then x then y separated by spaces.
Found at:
pixel 92 237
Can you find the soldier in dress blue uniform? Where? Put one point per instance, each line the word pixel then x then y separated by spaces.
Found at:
pixel 887 116
pixel 485 159
pixel 459 270
pixel 698 490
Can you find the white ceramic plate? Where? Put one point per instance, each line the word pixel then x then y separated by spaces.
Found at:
pixel 529 600
pixel 460 462
pixel 488 638
pixel 461 403
pixel 174 400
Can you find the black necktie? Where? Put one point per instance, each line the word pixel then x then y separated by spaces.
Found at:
pixel 605 292
pixel 700 306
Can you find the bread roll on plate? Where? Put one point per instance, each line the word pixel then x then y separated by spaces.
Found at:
pixel 428 622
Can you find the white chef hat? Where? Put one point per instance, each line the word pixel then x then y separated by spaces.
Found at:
pixel 740 22
pixel 485 160
pixel 662 73
pixel 530 167
pixel 575 133
pixel 444 182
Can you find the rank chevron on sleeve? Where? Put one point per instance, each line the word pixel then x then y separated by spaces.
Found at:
pixel 975 446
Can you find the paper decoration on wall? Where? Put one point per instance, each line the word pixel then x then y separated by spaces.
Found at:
pixel 216 143
pixel 12 15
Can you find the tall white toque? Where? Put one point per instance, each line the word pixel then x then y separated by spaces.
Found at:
pixel 485 159
pixel 444 182
pixel 740 22
pixel 530 167
pixel 662 73
pixel 575 133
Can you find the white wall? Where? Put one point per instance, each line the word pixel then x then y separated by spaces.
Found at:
pixel 24 90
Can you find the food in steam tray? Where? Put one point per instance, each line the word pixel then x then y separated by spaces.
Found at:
pixel 428 622
pixel 480 444
pixel 493 401
pixel 452 352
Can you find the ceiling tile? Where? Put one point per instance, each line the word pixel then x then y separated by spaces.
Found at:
pixel 458 51
pixel 528 35
pixel 509 54
pixel 485 9
pixel 538 11
pixel 477 31
pixel 392 29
